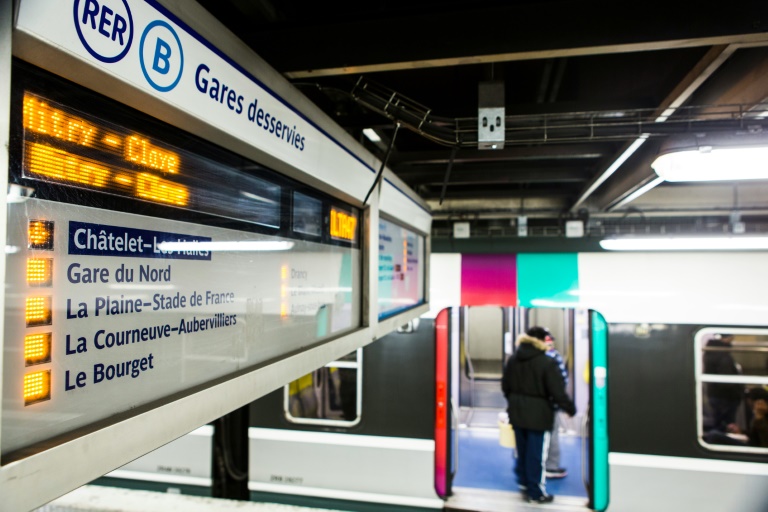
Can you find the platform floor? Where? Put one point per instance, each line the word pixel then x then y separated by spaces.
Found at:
pixel 484 482
pixel 97 498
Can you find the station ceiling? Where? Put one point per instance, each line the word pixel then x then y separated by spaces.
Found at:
pixel 591 91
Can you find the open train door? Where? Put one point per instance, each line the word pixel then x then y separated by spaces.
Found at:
pixel 596 432
pixel 588 350
pixel 445 416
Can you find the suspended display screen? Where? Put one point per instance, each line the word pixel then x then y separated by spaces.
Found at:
pixel 138 270
pixel 69 147
pixel 401 269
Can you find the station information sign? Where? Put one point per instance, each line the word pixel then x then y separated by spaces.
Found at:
pixel 104 314
pixel 401 268
pixel 109 312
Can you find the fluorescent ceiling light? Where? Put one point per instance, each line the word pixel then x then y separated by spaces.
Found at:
pixel 725 243
pixel 226 246
pixel 371 134
pixel 708 163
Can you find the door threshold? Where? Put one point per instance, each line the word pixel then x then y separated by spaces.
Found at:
pixel 468 499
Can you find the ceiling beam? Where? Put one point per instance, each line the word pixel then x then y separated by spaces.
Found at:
pixel 318 41
pixel 500 192
pixel 401 160
pixel 361 69
pixel 703 69
pixel 484 175
pixel 532 32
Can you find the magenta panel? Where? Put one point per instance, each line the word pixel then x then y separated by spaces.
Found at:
pixel 488 279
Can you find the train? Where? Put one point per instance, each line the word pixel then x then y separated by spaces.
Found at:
pixel 661 312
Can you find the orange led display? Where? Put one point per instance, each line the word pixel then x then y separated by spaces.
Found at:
pixel 141 151
pixel 64 166
pixel 37 387
pixel 149 186
pixel 40 234
pixel 41 117
pixel 79 150
pixel 343 225
pixel 39 271
pixel 38 311
pixel 37 348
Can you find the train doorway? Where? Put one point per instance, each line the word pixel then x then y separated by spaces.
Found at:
pixel 480 451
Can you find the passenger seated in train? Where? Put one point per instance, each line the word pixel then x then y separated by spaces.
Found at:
pixel 758 428
pixel 756 432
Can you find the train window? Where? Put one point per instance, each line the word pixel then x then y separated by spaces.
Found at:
pixel 732 389
pixel 329 396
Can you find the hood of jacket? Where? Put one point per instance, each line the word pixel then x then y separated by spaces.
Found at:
pixel 529 347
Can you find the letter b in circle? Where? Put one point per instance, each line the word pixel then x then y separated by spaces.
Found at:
pixel 162 63
pixel 161 56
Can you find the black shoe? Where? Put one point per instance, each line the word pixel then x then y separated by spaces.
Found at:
pixel 556 473
pixel 547 498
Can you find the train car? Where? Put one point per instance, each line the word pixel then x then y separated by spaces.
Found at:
pixel 667 316
pixel 185 232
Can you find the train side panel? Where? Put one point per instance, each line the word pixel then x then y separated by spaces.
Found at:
pixel 388 457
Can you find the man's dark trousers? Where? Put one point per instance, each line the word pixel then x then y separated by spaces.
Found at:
pixel 532 446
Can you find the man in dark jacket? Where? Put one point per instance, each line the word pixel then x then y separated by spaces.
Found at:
pixel 533 385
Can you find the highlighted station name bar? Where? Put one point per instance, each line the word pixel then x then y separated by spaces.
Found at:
pixel 104 240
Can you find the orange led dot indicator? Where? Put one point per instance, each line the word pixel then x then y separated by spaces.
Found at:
pixel 37 348
pixel 39 271
pixel 40 234
pixel 111 140
pixel 123 179
pixel 37 387
pixel 38 311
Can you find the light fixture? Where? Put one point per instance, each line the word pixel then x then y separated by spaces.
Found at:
pixel 246 246
pixel 718 157
pixel 685 243
pixel 371 134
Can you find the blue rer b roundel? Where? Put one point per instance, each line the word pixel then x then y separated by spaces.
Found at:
pixel 161 56
pixel 105 27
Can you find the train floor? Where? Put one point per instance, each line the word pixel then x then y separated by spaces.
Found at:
pixel 484 479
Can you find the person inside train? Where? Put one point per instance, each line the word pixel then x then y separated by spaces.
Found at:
pixel 533 386
pixel 724 399
pixel 756 433
pixel 758 425
pixel 552 466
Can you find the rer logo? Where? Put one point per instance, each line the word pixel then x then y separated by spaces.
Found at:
pixel 161 56
pixel 105 27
